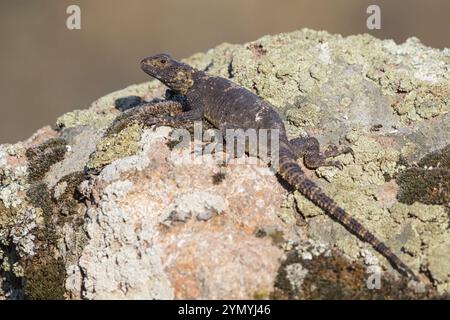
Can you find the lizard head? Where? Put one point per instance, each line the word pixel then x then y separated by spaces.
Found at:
pixel 176 75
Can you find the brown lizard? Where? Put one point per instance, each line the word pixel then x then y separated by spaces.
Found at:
pixel 227 105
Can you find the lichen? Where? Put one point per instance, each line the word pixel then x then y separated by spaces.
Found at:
pixel 439 254
pixel 6 216
pixel 121 122
pixel 8 256
pixel 428 235
pixel 85 117
pixel 124 143
pixel 304 114
pixel 10 272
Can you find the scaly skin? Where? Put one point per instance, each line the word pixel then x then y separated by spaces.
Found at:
pixel 229 106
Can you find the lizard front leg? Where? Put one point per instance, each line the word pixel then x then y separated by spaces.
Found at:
pixel 309 149
pixel 183 119
pixel 140 113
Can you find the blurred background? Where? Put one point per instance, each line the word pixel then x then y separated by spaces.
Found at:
pixel 47 70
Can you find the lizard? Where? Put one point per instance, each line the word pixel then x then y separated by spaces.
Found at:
pixel 226 105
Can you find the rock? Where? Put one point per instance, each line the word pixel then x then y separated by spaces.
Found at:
pixel 131 215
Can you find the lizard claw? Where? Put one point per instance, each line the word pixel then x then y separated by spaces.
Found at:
pixel 334 151
pixel 332 148
pixel 348 149
pixel 338 165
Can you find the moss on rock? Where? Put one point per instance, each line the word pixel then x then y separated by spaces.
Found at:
pixel 66 195
pixel 331 276
pixel 42 157
pixel 44 273
pixel 429 181
pixel 44 279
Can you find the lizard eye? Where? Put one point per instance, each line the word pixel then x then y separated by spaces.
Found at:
pixel 163 61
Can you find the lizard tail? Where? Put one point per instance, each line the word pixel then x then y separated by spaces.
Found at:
pixel 294 175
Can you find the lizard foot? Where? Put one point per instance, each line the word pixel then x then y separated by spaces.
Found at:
pixel 309 149
pixel 334 151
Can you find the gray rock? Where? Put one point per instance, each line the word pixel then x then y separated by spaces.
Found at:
pixel 389 101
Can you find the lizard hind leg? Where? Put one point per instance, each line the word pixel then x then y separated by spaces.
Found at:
pixel 309 149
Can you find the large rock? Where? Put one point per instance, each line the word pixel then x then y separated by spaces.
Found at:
pixel 89 215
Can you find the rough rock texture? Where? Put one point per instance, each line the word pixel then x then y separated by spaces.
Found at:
pixel 84 215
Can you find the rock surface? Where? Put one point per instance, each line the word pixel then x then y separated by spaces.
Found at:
pixel 89 216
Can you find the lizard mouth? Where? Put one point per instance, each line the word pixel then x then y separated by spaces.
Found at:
pixel 148 68
pixel 145 66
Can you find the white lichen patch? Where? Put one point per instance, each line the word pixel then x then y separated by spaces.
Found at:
pixel 197 203
pixel 21 233
pixel 120 259
pixel 295 274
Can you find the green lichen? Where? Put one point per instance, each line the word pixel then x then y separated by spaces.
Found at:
pixel 424 101
pixel 41 158
pixel 288 212
pixel 429 181
pixel 426 228
pixel 121 122
pixel 304 114
pixel 439 255
pixel 117 146
pixel 89 117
